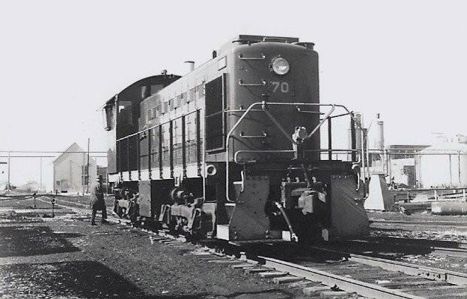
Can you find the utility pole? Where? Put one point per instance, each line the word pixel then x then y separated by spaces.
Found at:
pixel 87 170
pixel 9 168
pixel 40 180
pixel 2 163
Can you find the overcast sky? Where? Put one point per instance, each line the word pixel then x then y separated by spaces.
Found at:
pixel 61 60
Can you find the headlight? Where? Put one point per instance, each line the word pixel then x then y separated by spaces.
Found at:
pixel 280 66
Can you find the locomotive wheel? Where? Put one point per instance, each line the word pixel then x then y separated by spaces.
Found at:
pixel 119 211
pixel 171 223
pixel 133 213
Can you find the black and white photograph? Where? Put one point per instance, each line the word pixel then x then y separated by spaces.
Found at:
pixel 233 149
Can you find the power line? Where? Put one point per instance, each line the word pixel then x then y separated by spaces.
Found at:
pixel 39 156
pixel 54 152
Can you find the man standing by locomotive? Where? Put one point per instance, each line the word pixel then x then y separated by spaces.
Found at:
pixel 97 201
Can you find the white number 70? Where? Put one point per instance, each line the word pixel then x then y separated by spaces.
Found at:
pixel 284 86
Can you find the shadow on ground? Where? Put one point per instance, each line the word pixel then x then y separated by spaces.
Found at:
pixel 86 279
pixel 33 240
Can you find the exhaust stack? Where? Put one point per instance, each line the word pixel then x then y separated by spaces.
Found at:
pixel 191 65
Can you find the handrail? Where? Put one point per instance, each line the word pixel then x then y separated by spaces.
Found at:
pixel 241 83
pixel 261 151
pixel 264 135
pixel 264 105
pixel 242 110
pixel 287 151
pixel 332 150
pixel 155 126
pixel 326 116
pixel 309 112
pixel 241 57
pixel 230 111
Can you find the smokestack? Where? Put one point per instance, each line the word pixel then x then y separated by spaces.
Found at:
pixel 358 130
pixel 191 65
pixel 379 135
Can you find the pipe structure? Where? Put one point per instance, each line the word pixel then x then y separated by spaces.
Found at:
pixel 449 208
pixel 326 116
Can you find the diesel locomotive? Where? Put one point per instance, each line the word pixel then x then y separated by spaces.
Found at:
pixel 233 149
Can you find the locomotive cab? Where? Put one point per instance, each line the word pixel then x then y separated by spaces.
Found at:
pixel 121 119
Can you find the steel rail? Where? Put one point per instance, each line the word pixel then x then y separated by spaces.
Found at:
pixel 345 283
pixel 450 251
pixel 420 222
pixel 448 276
pixel 80 208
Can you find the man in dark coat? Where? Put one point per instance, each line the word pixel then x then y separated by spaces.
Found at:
pixel 97 201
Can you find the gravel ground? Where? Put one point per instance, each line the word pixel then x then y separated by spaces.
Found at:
pixel 66 257
pixel 44 257
pixel 416 217
pixel 452 236
pixel 424 229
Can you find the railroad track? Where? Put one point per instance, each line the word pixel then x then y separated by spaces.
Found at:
pixel 421 222
pixel 375 278
pixel 394 247
pixel 81 208
pixel 375 244
pixel 441 224
pixel 335 274
pixel 339 274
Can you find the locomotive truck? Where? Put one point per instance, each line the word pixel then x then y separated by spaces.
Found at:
pixel 233 149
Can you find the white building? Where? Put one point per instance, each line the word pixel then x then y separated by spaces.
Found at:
pixel 444 165
pixel 70 175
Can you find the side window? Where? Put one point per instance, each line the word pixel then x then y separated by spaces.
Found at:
pixel 155 88
pixel 125 113
pixel 191 95
pixel 215 118
pixel 155 141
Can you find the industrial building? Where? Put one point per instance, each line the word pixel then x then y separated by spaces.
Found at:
pixel 439 165
pixel 403 164
pixel 443 165
pixel 73 169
